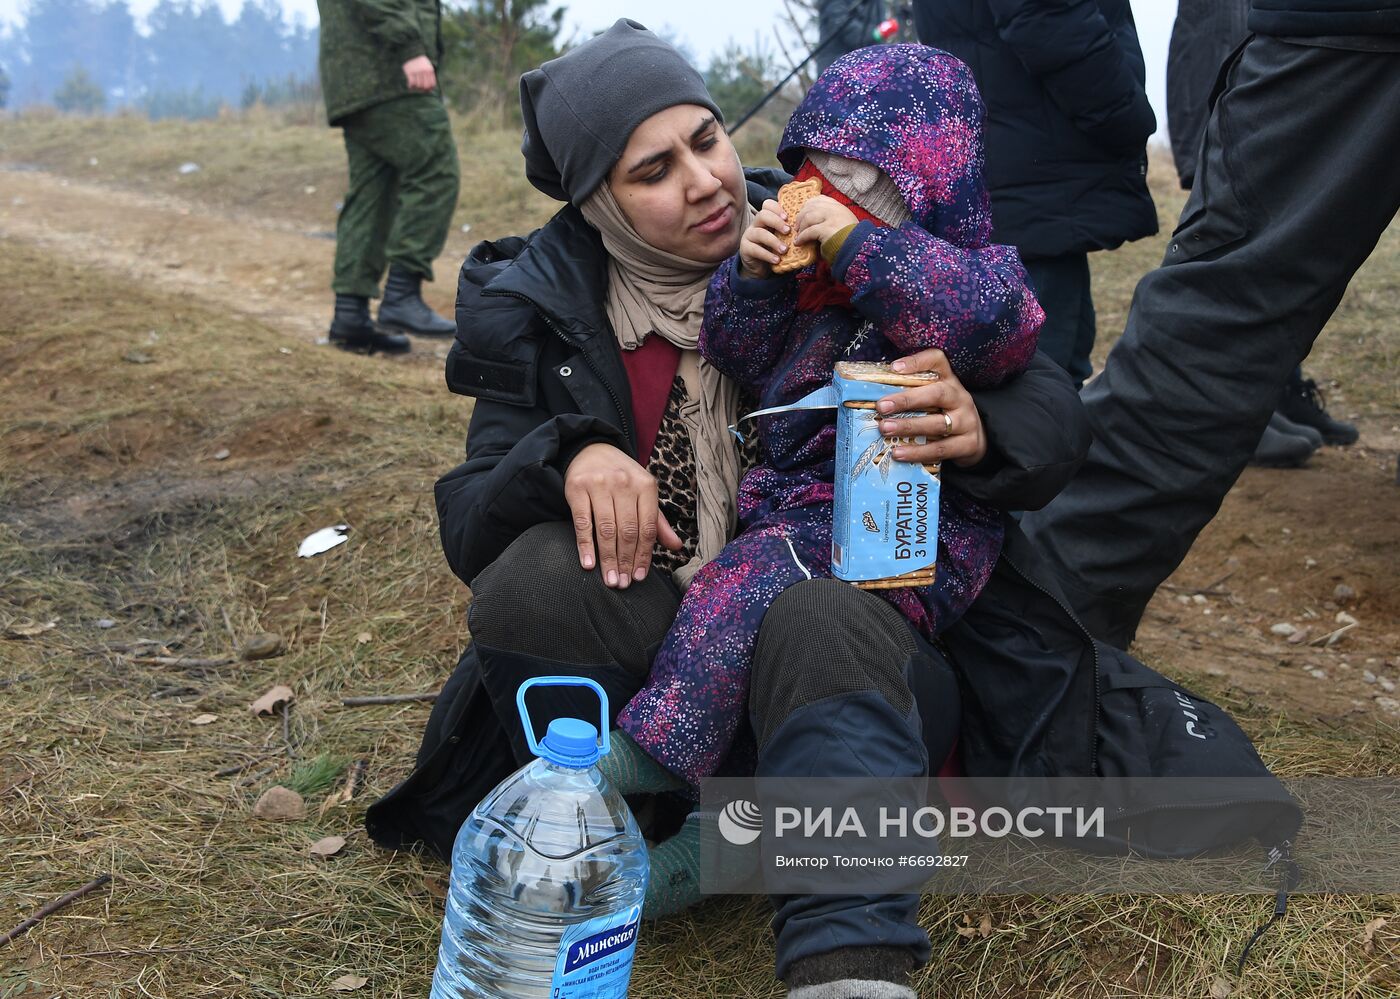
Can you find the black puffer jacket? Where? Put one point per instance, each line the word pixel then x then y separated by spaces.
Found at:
pixel 1067 117
pixel 535 348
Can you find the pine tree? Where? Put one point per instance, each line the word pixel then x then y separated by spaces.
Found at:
pixel 80 93
pixel 488 44
pixel 737 78
pixel 61 34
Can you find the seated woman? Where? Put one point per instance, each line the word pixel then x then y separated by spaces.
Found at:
pixel 599 477
pixel 598 432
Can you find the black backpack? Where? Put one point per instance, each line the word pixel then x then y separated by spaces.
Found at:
pixel 1048 707
pixel 1050 713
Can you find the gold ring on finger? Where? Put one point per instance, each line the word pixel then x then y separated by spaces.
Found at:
pixel 947 423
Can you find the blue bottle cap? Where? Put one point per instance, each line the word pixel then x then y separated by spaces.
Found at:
pixel 570 742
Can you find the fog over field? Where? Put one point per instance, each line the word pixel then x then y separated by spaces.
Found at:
pixel 703 29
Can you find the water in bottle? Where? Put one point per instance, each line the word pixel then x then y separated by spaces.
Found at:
pixel 548 876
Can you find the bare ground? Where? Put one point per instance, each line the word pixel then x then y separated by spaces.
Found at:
pixel 269 269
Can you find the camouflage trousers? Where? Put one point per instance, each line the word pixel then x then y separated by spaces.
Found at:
pixel 403 190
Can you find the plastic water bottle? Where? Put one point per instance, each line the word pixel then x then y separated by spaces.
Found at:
pixel 548 876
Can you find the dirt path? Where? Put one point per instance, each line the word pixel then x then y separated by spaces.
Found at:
pixel 273 271
pixel 1272 560
pixel 1309 549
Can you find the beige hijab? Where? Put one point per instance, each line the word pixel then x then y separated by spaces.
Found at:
pixel 649 291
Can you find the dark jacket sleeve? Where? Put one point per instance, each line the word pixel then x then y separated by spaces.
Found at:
pixel 513 479
pixel 1070 48
pixel 1203 35
pixel 1037 437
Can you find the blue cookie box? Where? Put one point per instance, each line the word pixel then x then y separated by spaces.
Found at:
pixel 885 521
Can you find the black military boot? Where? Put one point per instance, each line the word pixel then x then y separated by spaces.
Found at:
pixel 1284 425
pixel 352 329
pixel 403 307
pixel 1303 403
pixel 1280 450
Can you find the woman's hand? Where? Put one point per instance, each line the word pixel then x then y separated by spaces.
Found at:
pixel 762 244
pixel 612 497
pixel 953 427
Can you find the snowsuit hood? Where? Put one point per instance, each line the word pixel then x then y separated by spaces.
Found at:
pixel 914 112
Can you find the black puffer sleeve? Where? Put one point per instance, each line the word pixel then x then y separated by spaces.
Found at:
pixel 519 442
pixel 1037 437
pixel 513 479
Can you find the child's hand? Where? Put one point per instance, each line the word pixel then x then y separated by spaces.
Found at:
pixel 762 243
pixel 822 217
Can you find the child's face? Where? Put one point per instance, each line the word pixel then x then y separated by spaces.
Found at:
pixel 680 183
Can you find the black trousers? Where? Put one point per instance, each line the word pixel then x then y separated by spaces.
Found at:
pixel 1062 286
pixel 1296 182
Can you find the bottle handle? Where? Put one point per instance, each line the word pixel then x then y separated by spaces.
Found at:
pixel 561 681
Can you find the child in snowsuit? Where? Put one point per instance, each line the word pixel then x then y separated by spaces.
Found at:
pixel 894 134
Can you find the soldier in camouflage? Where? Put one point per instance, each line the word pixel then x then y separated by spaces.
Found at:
pixel 379 62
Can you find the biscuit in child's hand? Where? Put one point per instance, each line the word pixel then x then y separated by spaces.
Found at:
pixel 792 197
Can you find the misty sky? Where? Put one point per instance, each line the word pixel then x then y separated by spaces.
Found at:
pixel 706 26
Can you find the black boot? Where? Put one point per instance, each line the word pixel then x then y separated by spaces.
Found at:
pixel 403 307
pixel 1303 403
pixel 352 329
pixel 1284 425
pixel 1280 450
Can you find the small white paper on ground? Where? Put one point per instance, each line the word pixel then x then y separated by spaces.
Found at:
pixel 323 540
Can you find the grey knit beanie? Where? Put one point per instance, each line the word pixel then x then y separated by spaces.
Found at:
pixel 865 184
pixel 581 108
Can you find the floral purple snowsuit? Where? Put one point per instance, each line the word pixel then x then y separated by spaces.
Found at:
pixel 935 281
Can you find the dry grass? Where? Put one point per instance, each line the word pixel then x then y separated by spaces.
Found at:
pixel 263 164
pixel 115 509
pixel 260 164
pixel 112 506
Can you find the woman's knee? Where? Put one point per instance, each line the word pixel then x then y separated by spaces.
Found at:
pixel 823 638
pixel 536 584
pixel 537 600
pixel 533 572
